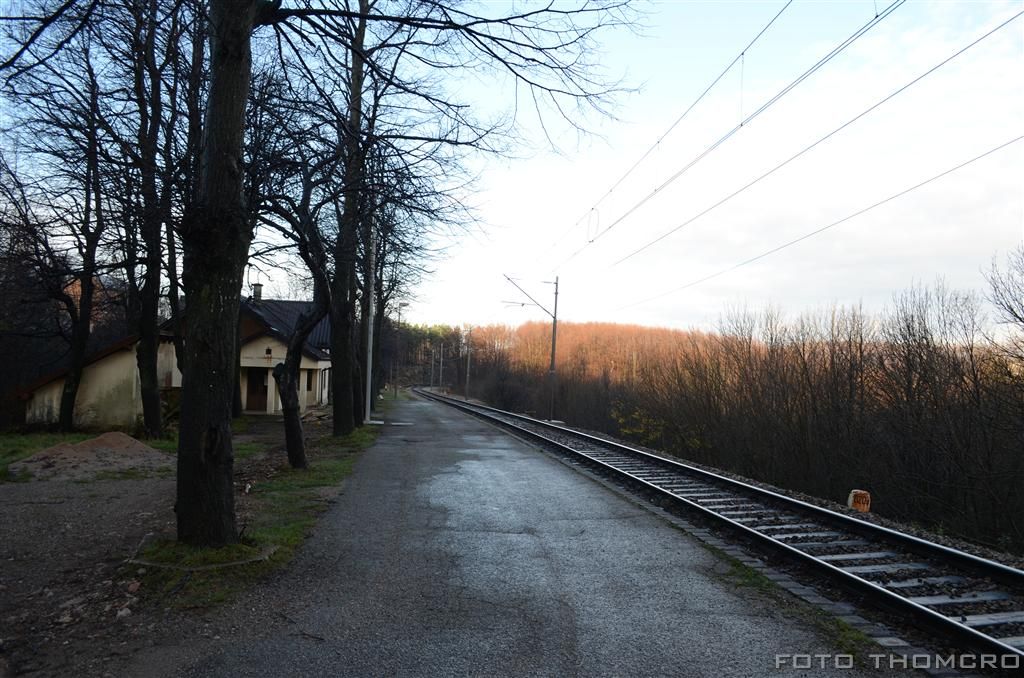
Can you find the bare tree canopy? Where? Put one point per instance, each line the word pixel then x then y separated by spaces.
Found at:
pixel 215 156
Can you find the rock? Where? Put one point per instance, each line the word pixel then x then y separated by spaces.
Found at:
pixel 134 585
pixel 65 618
pixel 71 602
pixel 124 612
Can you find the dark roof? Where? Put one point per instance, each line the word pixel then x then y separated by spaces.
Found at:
pixel 279 317
pixel 123 344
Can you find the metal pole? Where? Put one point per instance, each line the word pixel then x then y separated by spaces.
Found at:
pixel 431 367
pixel 394 379
pixel 554 339
pixel 440 382
pixel 371 251
pixel 469 349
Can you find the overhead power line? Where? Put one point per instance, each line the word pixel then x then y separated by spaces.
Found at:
pixel 817 231
pixel 675 124
pixel 818 142
pixel 836 51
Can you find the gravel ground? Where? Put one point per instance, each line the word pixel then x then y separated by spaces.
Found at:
pixel 62 544
pixel 68 602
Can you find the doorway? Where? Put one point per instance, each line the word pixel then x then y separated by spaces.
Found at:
pixel 256 389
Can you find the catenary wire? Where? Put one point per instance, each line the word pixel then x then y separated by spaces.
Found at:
pixel 764 107
pixel 822 229
pixel 675 124
pixel 818 142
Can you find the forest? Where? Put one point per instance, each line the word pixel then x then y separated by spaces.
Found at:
pixel 922 405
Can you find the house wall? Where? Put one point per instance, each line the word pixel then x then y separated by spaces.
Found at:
pixel 254 354
pixel 108 395
pixel 167 366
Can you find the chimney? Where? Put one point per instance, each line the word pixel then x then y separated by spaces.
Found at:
pixel 257 292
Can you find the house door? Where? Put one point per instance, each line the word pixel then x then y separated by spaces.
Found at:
pixel 256 389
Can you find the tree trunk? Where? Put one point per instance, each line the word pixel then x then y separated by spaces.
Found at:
pixel 342 348
pixel 150 108
pixel 236 397
pixel 215 240
pixel 79 340
pixel 356 385
pixel 80 309
pixel 342 356
pixel 286 376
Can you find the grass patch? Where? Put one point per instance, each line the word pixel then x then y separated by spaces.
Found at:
pixel 247 450
pixel 183 555
pixel 283 511
pixel 17 446
pixel 241 424
pixel 389 395
pixel 170 446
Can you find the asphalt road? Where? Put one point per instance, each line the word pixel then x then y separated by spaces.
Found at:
pixel 457 550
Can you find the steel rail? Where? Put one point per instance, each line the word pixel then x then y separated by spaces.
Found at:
pixel 932 619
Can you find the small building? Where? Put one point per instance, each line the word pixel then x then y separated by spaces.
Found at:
pixel 110 395
pixel 265 326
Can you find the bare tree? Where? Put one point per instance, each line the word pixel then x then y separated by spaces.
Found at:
pixel 545 49
pixel 1006 293
pixel 60 222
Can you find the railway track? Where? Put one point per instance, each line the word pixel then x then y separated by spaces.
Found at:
pixel 976 603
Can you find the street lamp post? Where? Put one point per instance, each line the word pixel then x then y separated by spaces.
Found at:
pixel 469 349
pixel 398 338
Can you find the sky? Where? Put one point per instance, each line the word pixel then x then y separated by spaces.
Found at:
pixel 549 212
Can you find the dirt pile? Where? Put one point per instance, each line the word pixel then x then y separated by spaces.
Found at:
pixel 109 455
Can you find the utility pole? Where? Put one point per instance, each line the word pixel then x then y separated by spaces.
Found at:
pixel 440 382
pixel 398 327
pixel 554 339
pixel 469 349
pixel 431 367
pixel 554 336
pixel 371 250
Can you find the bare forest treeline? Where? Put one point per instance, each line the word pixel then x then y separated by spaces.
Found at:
pixel 917 405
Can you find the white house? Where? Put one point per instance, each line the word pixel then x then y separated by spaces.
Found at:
pixel 109 395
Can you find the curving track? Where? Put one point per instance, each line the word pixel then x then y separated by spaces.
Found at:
pixel 977 603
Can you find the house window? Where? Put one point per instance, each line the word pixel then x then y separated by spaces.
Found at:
pixel 309 380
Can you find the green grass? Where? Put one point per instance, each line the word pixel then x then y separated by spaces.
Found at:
pixel 183 555
pixel 170 446
pixel 286 510
pixel 389 395
pixel 241 424
pixel 17 446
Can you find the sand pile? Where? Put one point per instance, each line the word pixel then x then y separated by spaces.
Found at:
pixel 110 455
